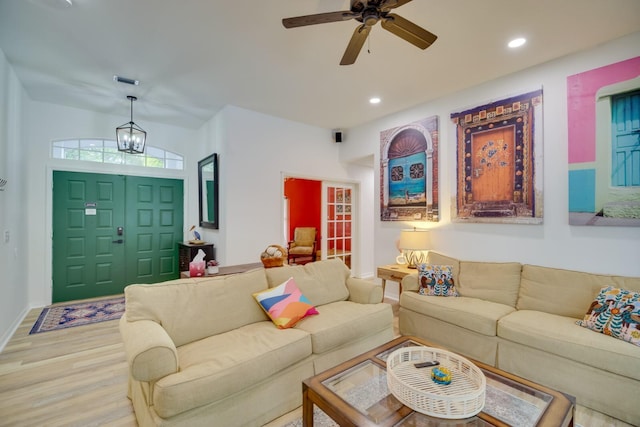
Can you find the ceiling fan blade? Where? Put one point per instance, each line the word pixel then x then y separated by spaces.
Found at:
pixel 409 31
pixel 355 45
pixel 392 4
pixel 320 18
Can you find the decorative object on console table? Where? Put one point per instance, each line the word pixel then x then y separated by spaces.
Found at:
pixel 187 251
pixel 197 238
pixel 212 267
pixel 395 273
pixel 414 244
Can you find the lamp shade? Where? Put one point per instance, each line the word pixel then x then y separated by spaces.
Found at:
pixel 414 240
pixel 414 243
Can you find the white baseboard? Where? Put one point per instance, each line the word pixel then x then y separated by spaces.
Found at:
pixel 4 340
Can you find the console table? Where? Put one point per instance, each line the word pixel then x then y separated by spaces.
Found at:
pixel 395 273
pixel 225 271
pixel 187 251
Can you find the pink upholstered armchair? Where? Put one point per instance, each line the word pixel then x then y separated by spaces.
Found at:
pixel 303 245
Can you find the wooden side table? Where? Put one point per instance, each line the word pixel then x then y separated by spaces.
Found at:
pixel 395 273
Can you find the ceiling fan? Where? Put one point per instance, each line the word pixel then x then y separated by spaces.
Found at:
pixel 369 12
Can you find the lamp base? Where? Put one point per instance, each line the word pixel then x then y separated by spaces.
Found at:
pixel 416 257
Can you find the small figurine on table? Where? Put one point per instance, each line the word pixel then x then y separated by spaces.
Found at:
pixel 441 375
pixel 197 238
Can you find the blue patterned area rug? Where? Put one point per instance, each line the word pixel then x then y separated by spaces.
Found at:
pixel 84 313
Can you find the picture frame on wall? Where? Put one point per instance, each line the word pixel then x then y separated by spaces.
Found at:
pixel 409 172
pixel 603 118
pixel 499 161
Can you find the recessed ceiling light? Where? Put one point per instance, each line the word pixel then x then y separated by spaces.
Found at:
pixel 374 100
pixel 517 42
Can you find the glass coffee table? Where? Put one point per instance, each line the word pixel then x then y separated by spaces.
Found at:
pixel 355 393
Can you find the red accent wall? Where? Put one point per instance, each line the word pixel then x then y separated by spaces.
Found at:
pixel 305 197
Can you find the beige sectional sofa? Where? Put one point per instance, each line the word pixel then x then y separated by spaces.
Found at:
pixel 522 319
pixel 202 352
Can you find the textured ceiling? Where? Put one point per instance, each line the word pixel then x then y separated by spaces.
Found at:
pixel 193 57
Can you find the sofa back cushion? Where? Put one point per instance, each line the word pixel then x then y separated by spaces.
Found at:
pixel 491 281
pixel 565 292
pixel 192 311
pixel 435 258
pixel 322 282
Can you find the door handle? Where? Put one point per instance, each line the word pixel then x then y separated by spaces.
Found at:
pixel 118 241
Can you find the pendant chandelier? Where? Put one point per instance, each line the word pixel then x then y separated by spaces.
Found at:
pixel 131 138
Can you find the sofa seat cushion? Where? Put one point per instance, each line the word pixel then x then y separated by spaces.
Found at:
pixel 561 336
pixel 342 322
pixel 216 367
pixel 470 313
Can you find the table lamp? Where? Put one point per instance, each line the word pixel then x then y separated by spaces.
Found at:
pixel 414 243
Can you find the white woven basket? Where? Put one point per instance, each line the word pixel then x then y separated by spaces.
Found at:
pixel 412 386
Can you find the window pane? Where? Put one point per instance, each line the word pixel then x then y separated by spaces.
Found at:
pixel 72 143
pixel 113 158
pixel 91 156
pixel 170 155
pixel 174 164
pixel 91 144
pixel 154 152
pixel 71 154
pixel 134 160
pixel 153 162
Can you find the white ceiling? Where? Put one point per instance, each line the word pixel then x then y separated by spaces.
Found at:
pixel 193 57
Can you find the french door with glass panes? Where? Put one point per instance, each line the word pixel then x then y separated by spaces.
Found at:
pixel 337 221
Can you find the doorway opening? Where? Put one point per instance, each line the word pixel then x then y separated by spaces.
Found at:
pixel 329 207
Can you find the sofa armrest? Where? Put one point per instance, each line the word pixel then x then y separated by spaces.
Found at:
pixel 364 291
pixel 410 283
pixel 151 354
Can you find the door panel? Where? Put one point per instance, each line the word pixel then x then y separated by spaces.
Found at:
pixel 626 140
pixel 154 226
pixel 337 221
pixel 110 231
pixel 493 165
pixel 86 211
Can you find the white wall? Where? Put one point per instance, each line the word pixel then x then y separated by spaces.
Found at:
pixel 614 250
pixel 13 254
pixel 256 150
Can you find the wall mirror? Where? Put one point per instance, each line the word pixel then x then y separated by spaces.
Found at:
pixel 208 191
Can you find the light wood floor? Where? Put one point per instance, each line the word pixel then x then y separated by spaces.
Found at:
pixel 78 377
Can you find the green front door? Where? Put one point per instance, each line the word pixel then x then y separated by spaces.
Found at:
pixel 110 231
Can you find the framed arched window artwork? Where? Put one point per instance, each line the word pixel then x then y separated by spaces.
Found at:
pixel 409 172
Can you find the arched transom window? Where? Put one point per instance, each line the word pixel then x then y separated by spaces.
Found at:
pixel 106 151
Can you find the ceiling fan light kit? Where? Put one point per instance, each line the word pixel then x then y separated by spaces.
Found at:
pixel 368 13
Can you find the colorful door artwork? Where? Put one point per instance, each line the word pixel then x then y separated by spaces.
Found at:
pixel 493 171
pixel 409 172
pixel 499 151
